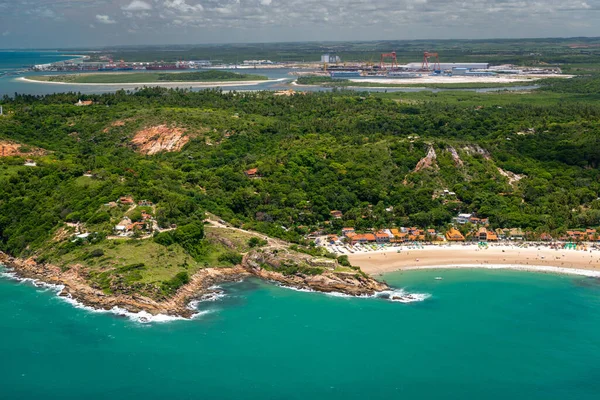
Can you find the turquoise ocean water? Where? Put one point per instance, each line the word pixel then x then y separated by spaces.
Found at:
pixel 481 335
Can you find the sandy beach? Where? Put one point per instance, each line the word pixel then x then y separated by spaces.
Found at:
pixel 428 79
pixel 541 259
pixel 165 84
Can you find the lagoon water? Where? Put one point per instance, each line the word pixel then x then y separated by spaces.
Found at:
pixel 481 335
pixel 11 62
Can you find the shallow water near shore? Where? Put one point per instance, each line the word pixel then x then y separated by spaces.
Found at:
pixel 490 334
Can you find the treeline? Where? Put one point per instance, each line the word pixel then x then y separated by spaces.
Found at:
pixel 210 75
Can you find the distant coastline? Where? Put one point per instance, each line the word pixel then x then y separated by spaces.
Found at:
pixel 165 84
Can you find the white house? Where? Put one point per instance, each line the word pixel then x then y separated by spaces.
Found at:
pixel 463 218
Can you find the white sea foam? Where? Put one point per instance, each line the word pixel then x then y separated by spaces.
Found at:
pixel 532 268
pixel 217 294
pixel 397 295
pixel 402 296
pixel 141 317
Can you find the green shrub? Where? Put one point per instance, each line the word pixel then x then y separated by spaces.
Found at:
pixel 95 253
pixel 231 257
pixel 256 242
pixel 172 285
pixel 343 260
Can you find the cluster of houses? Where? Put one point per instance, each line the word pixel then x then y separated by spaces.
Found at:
pixel 383 236
pixel 463 219
pixel 478 230
pixel 127 227
pixel 479 234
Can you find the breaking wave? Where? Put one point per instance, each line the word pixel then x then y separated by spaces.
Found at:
pixel 143 317
pixel 402 296
pixel 397 295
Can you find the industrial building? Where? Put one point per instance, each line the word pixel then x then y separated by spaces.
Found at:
pixel 459 71
pixel 447 66
pixel 330 59
pixel 201 63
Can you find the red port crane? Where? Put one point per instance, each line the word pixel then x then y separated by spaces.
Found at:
pixel 436 64
pixel 391 55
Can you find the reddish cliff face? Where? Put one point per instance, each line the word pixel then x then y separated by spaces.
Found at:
pixel 160 138
pixel 8 149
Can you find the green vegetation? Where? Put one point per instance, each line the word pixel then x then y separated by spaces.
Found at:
pixel 256 242
pixel 528 160
pixel 150 77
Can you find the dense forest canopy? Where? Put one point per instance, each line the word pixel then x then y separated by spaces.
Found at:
pixel 525 165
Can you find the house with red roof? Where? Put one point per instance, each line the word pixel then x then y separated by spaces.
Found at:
pixel 252 173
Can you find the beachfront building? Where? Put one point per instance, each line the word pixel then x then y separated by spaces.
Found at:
pixel 516 234
pixel 347 231
pixel 546 237
pixel 453 235
pixel 382 237
pixel 363 238
pixel 582 236
pixel 485 235
pixel 333 239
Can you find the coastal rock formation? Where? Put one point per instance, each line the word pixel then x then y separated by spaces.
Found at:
pixel 265 265
pixel 314 274
pixel 160 138
pixel 76 287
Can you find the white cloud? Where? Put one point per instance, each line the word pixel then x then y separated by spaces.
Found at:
pixel 137 5
pixel 289 20
pixel 105 19
pixel 182 6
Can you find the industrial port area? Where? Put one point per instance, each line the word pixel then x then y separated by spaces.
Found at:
pixel 383 68
pixel 429 70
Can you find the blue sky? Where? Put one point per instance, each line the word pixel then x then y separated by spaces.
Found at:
pixel 67 23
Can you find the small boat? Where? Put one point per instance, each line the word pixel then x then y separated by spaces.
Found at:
pixel 438 278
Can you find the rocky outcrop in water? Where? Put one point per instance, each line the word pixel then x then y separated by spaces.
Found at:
pixel 76 287
pixel 267 265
